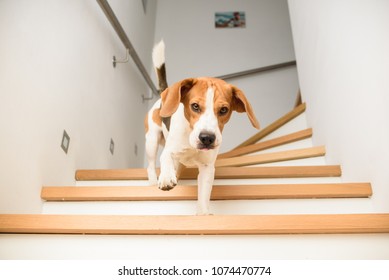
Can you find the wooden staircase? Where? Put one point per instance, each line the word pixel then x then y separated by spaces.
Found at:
pixel 278 165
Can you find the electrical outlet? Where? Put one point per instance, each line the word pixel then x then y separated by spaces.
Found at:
pixel 136 149
pixel 112 146
pixel 65 142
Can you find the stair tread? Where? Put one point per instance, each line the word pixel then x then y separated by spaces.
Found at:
pixel 271 157
pixel 274 126
pixel 193 225
pixel 219 192
pixel 220 173
pixel 275 142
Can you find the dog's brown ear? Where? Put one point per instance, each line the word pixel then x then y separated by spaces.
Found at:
pixel 172 96
pixel 241 104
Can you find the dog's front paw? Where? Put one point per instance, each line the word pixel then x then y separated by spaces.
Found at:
pixel 166 183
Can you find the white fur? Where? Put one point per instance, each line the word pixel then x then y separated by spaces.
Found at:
pixel 153 140
pixel 159 54
pixel 180 147
pixel 208 122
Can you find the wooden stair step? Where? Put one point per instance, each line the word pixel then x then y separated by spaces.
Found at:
pixel 274 126
pixel 219 192
pixel 278 141
pixel 271 157
pixel 184 225
pixel 220 173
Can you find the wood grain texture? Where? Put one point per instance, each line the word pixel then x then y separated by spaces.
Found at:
pixel 220 173
pixel 274 126
pixel 271 157
pixel 220 192
pixel 290 138
pixel 111 174
pixel 184 225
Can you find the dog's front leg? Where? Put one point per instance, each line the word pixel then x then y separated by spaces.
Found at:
pixel 205 183
pixel 167 178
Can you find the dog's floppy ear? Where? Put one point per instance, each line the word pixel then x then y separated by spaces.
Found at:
pixel 172 96
pixel 241 104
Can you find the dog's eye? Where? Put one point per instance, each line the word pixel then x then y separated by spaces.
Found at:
pixel 195 107
pixel 223 111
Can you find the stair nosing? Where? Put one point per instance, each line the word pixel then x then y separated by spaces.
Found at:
pixel 219 192
pixel 195 225
pixel 220 173
pixel 272 157
pixel 268 144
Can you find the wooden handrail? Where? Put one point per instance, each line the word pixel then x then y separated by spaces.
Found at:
pixel 258 70
pixel 127 43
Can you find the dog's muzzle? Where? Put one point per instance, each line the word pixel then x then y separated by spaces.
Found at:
pixel 207 141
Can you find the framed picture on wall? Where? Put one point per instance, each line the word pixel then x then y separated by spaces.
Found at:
pixel 230 20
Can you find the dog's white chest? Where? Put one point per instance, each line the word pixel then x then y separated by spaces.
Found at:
pixel 192 157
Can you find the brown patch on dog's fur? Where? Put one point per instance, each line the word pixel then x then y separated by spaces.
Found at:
pixel 146 123
pixel 197 94
pixel 156 117
pixel 172 96
pixel 192 90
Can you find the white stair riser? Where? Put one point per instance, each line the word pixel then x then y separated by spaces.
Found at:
pixel 301 144
pixel 118 183
pixel 297 124
pixel 237 207
pixel 115 247
pixel 314 161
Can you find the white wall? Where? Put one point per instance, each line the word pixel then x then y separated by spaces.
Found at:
pixel 55 74
pixel 343 65
pixel 195 48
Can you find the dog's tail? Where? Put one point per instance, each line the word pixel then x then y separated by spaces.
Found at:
pixel 159 65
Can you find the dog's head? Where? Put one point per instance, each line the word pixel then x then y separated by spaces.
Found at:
pixel 208 105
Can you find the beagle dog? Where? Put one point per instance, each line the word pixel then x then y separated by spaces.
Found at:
pixel 188 121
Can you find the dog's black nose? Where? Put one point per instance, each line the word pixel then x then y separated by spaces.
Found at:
pixel 207 139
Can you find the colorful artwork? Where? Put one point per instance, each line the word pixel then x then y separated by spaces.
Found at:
pixel 230 20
